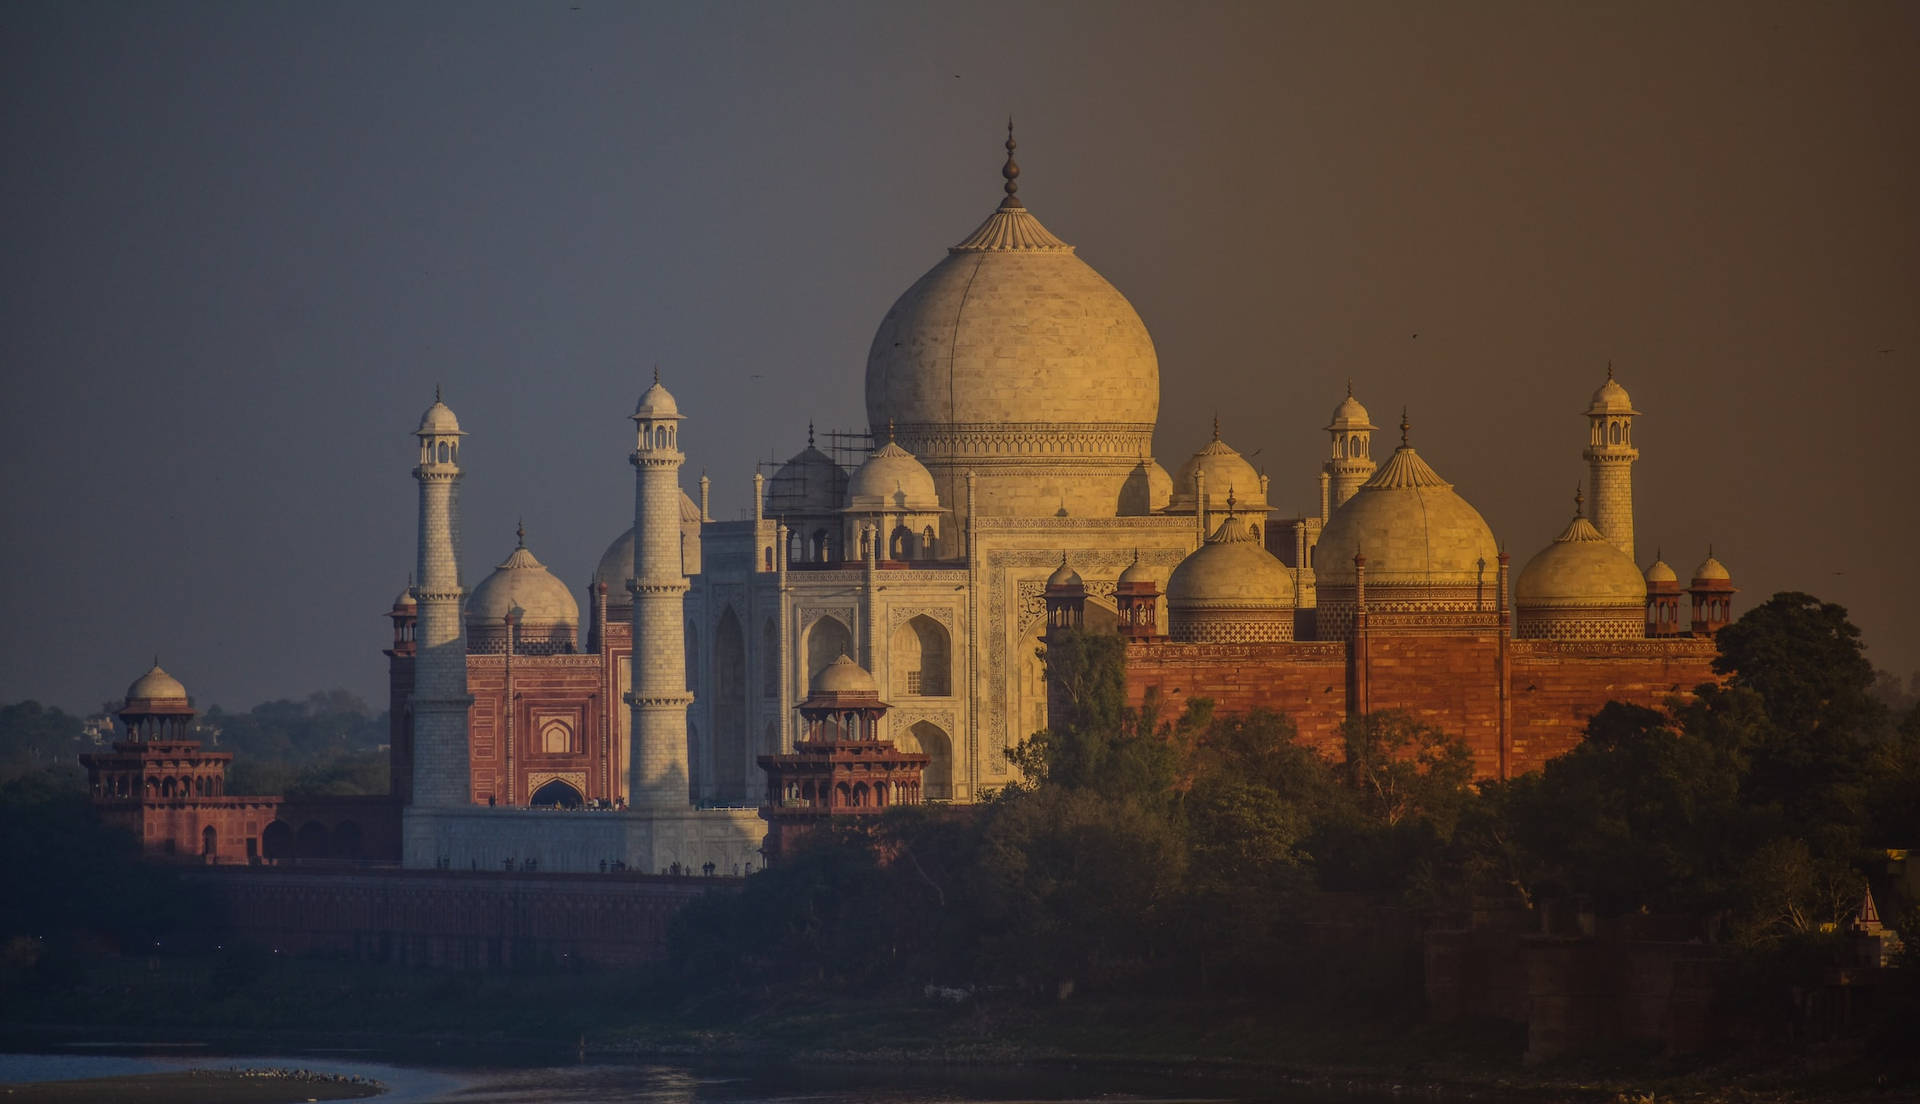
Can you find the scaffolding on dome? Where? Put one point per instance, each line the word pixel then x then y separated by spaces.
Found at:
pixel 847 449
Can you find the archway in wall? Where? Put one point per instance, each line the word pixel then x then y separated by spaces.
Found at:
pixel 827 640
pixel 930 740
pixel 729 709
pixel 347 840
pixel 209 841
pixel 1028 681
pixel 921 659
pixel 557 793
pixel 276 843
pixel 311 842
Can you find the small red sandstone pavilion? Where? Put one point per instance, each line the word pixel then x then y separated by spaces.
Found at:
pixel 839 771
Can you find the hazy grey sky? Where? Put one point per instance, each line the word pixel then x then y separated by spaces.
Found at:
pixel 243 241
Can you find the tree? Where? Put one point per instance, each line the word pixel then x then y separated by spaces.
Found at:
pixel 1401 769
pixel 1644 813
pixel 1097 742
pixel 36 739
pixel 1805 660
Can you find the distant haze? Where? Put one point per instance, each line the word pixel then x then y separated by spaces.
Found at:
pixel 244 241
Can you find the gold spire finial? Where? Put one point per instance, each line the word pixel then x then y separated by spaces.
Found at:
pixel 1230 502
pixel 1578 500
pixel 656 375
pixel 1609 368
pixel 1349 387
pixel 520 532
pixel 1011 171
pixel 1216 425
pixel 809 432
pixel 889 431
pixel 436 392
pixel 1405 425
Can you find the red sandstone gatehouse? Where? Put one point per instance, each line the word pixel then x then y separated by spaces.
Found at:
pixel 171 793
pixel 839 769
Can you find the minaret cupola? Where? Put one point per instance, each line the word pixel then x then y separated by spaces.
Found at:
pixel 657 425
pixel 1351 461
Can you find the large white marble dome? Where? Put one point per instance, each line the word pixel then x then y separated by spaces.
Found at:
pixel 1013 353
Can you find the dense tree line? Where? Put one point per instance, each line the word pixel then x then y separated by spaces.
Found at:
pixel 1215 855
pixel 331 743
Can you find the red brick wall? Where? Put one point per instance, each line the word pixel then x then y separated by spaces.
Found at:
pixel 1305 680
pixel 1558 685
pixel 1449 679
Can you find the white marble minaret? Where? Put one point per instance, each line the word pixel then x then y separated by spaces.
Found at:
pixel 1350 463
pixel 1610 455
pixel 659 698
pixel 440 699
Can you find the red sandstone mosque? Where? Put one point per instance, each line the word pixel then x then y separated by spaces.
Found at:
pixel 1004 486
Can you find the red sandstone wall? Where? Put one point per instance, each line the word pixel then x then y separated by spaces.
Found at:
pixel 1450 681
pixel 1557 686
pixel 567 688
pixel 1305 680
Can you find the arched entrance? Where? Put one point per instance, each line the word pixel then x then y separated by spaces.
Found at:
pixel 312 841
pixel 927 738
pixel 556 794
pixel 276 843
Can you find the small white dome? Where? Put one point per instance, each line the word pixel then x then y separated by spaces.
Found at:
pixel 1350 414
pixel 439 421
pixel 891 479
pixel 1148 489
pixel 1659 572
pixel 1064 576
pixel 156 686
pixel 1711 571
pixel 809 483
pixel 656 402
pixel 844 676
pixel 1227 473
pixel 1611 398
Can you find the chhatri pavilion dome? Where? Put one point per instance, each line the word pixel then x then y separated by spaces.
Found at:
pixel 544 608
pixel 1015 359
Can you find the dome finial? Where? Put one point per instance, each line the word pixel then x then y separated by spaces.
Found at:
pixel 436 392
pixel 520 532
pixel 1011 170
pixel 1405 425
pixel 889 431
pixel 809 432
pixel 656 374
pixel 1578 501
pixel 1349 387
pixel 1609 368
pixel 1216 425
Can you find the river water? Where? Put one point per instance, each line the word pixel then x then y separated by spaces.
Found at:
pixel 467 1080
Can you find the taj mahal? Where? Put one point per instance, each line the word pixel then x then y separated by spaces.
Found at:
pixel 1011 397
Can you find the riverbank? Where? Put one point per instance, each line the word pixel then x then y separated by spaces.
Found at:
pixel 199 1086
pixel 253 1006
